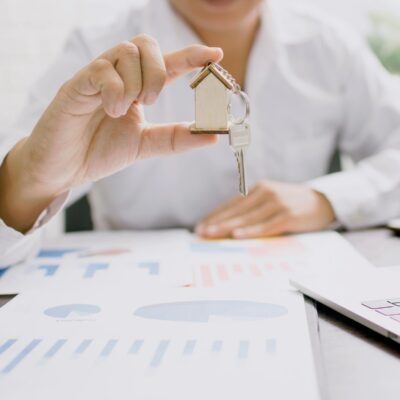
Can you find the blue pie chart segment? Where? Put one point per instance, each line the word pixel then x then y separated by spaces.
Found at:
pixel 203 311
pixel 72 310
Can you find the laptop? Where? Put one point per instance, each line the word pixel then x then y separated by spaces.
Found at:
pixel 371 298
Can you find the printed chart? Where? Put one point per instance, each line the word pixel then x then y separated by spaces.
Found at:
pixel 114 258
pixel 157 337
pixel 269 262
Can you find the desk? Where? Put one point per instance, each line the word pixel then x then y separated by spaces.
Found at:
pixel 359 364
pixel 356 363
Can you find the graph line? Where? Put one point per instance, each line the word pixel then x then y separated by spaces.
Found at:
pixel 159 354
pixel 136 346
pixel 108 348
pixel 83 346
pixel 189 347
pixel 24 353
pixel 243 349
pixel 270 346
pixel 216 346
pixel 4 347
pixel 55 348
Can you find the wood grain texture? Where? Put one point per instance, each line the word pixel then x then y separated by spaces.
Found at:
pixel 212 101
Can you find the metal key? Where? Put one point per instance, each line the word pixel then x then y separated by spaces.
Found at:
pixel 239 140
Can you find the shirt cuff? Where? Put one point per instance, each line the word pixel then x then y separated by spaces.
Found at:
pixel 16 246
pixel 350 195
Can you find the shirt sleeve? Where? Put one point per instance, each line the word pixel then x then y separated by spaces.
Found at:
pixel 15 246
pixel 368 194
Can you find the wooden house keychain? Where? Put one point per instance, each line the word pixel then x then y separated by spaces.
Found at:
pixel 213 87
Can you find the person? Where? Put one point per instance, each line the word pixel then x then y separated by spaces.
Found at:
pixel 314 87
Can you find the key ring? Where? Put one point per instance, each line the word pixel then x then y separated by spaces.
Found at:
pixel 245 99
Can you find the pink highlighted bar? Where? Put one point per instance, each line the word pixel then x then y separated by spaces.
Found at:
pixel 255 271
pixel 207 276
pixel 238 268
pixel 222 273
pixel 268 266
pixel 285 266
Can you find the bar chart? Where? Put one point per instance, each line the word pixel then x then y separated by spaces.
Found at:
pixel 38 350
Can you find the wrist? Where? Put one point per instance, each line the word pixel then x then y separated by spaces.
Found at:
pixel 22 199
pixel 326 213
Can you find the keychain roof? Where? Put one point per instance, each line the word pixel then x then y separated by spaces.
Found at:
pixel 211 68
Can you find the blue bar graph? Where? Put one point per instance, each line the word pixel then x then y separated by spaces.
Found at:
pixel 270 346
pixel 56 253
pixel 153 268
pixel 83 346
pixel 24 353
pixel 108 348
pixel 136 346
pixel 3 271
pixel 5 346
pixel 55 348
pixel 159 354
pixel 216 346
pixel 189 347
pixel 49 270
pixel 243 349
pixel 92 269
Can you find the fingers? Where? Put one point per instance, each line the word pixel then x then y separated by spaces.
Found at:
pixel 145 71
pixel 274 226
pixel 129 72
pixel 186 60
pixel 237 207
pixel 229 226
pixel 153 68
pixel 247 217
pixel 126 59
pixel 97 83
pixel 157 140
pixel 140 64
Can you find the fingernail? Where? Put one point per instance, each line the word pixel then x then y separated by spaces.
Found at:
pixel 150 98
pixel 126 106
pixel 238 233
pixel 212 229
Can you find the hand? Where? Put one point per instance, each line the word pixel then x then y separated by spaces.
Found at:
pixel 270 209
pixel 94 127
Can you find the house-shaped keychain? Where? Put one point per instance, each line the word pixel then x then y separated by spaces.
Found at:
pixel 212 96
pixel 213 86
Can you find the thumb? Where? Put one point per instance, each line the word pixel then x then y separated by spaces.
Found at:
pixel 158 140
pixel 183 61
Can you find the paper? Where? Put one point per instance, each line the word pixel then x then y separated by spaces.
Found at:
pixel 164 315
pixel 270 262
pixel 141 344
pixel 176 258
pixel 120 258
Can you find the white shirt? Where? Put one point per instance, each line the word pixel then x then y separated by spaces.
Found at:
pixel 313 85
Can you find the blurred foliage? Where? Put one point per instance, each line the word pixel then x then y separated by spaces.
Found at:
pixel 384 40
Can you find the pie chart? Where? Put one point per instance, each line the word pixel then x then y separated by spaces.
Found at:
pixel 72 310
pixel 206 311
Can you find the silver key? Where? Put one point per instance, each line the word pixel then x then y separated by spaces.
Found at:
pixel 239 140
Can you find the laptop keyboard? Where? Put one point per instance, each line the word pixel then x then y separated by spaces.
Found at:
pixel 389 308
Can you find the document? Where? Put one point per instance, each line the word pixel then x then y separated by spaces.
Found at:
pixel 177 258
pixel 270 262
pixel 156 344
pixel 116 258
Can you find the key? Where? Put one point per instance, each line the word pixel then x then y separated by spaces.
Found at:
pixel 239 140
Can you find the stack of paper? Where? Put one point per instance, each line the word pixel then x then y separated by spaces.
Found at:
pixel 163 315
